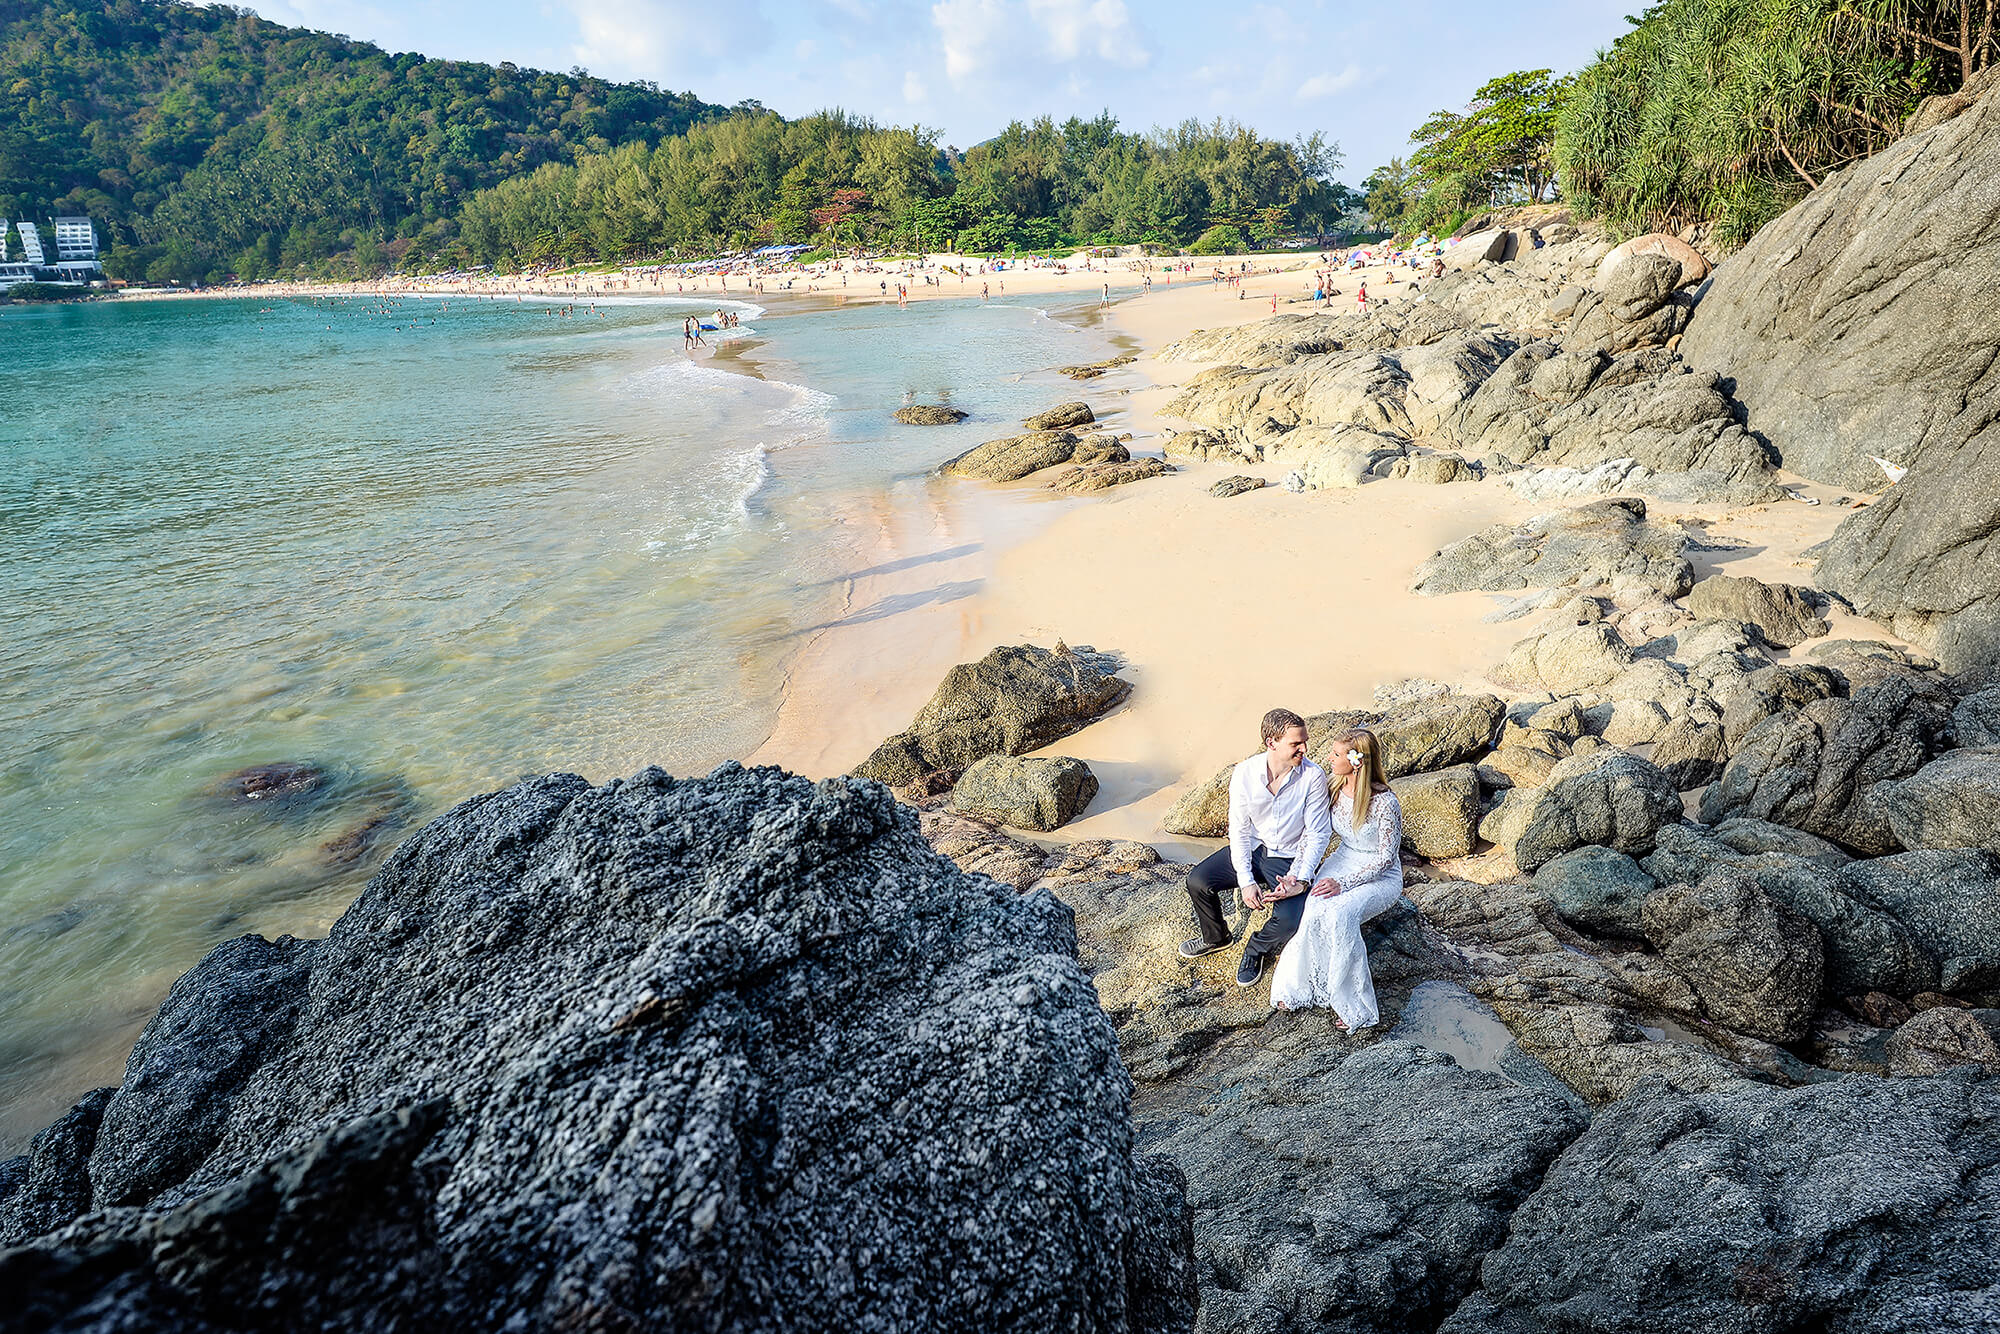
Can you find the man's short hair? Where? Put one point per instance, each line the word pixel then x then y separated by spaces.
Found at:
pixel 1277 722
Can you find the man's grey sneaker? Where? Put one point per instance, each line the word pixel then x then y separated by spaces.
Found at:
pixel 1249 971
pixel 1194 949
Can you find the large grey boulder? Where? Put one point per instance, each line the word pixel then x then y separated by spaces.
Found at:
pixel 1012 458
pixel 1949 900
pixel 1976 719
pixel 930 414
pixel 1016 699
pixel 1860 324
pixel 1767 691
pixel 1565 661
pixel 1551 406
pixel 1784 614
pixel 1868 947
pixel 1102 476
pixel 1952 802
pixel 1432 733
pixel 1945 1038
pixel 1588 545
pixel 1360 1197
pixel 1598 889
pixel 1755 963
pixel 1859 1205
pixel 714 1053
pixel 1816 768
pixel 1032 792
pixel 1607 798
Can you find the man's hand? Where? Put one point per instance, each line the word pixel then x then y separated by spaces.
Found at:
pixel 1253 897
pixel 1287 886
pixel 1326 888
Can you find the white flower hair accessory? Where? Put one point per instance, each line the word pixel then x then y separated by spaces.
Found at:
pixel 1355 757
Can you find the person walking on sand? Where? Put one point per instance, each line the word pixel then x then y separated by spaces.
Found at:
pixel 1279 818
pixel 1361 296
pixel 984 291
pixel 1107 295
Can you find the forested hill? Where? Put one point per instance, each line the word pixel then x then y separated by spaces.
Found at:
pixel 206 136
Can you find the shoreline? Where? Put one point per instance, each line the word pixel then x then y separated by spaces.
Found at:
pixel 1156 573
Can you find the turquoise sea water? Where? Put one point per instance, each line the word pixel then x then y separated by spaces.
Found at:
pixel 426 547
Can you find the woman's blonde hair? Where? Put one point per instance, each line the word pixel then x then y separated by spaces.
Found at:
pixel 1363 740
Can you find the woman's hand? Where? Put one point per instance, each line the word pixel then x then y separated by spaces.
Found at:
pixel 1326 888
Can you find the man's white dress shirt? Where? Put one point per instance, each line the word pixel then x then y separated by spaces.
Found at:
pixel 1296 821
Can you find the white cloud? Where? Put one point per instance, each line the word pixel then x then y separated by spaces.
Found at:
pixel 913 87
pixel 990 34
pixel 654 39
pixel 1326 85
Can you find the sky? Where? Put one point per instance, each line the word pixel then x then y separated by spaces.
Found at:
pixel 967 67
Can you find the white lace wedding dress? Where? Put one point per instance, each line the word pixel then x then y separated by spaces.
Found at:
pixel 1325 964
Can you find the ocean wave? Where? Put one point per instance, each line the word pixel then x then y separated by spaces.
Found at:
pixel 795 413
pixel 762 475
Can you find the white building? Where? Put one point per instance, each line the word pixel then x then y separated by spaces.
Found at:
pixel 76 242
pixel 31 241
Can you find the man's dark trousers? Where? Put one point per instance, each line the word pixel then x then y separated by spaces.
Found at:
pixel 1216 876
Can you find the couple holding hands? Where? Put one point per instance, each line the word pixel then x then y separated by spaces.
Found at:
pixel 1282 816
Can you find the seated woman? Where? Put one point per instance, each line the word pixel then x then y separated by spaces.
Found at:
pixel 1326 964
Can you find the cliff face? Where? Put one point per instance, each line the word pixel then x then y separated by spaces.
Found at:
pixel 731 1053
pixel 1865 323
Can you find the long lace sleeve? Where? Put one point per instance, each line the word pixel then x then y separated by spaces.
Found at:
pixel 1385 821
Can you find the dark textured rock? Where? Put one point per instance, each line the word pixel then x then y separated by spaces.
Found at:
pixel 1815 768
pixel 50 1184
pixel 1360 1197
pixel 1944 1038
pixel 1768 691
pixel 1867 948
pixel 729 1053
pixel 1976 719
pixel 1949 900
pixel 1608 798
pixel 929 414
pixel 280 782
pixel 1061 417
pixel 1690 753
pixel 1597 889
pixel 1952 802
pixel 1587 545
pixel 1038 793
pixel 1236 486
pixel 1015 699
pixel 224 1018
pixel 1783 614
pixel 1012 458
pixel 1755 963
pixel 1860 1205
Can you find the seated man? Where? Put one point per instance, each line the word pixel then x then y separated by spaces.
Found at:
pixel 1279 817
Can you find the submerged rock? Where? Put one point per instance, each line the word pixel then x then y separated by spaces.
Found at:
pixel 1014 700
pixel 930 414
pixel 731 1053
pixel 280 782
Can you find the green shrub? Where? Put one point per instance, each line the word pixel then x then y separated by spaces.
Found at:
pixel 1222 240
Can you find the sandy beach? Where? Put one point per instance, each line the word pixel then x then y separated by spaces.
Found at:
pixel 1221 608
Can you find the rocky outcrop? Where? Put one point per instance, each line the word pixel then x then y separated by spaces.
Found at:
pixel 1784 615
pixel 1952 802
pixel 1755 963
pixel 716 1053
pixel 1743 1209
pixel 1013 458
pixel 1038 792
pixel 1061 417
pixel 1861 324
pixel 1816 768
pixel 1693 267
pixel 1103 476
pixel 1359 1197
pixel 1634 306
pixel 1585 546
pixel 1014 700
pixel 1607 798
pixel 930 414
